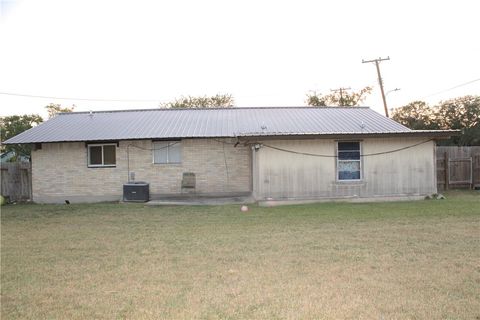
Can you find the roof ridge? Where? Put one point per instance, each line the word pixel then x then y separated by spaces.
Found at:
pixel 205 109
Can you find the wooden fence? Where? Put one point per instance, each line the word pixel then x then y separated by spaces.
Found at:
pixel 458 167
pixel 16 181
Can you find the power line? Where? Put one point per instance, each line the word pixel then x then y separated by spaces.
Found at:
pixel 335 156
pixel 449 89
pixel 82 99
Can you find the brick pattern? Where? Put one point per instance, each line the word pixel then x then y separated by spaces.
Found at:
pixel 59 170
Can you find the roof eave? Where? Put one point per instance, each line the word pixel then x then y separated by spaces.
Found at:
pixel 432 134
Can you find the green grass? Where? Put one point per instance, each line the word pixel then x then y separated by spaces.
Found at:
pixel 403 260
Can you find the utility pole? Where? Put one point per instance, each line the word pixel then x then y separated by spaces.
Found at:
pixel 341 93
pixel 380 82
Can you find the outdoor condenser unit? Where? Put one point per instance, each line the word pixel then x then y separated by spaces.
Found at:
pixel 136 191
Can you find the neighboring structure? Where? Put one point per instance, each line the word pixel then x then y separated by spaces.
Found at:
pixel 297 154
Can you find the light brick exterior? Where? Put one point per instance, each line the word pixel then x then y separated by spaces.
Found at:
pixel 60 171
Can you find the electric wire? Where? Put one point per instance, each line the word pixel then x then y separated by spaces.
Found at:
pixel 226 165
pixel 449 89
pixel 25 95
pixel 335 156
pixel 172 144
pixel 80 99
pixel 142 148
pixel 271 147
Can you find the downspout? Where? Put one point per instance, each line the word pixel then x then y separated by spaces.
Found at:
pixel 435 185
pixel 254 172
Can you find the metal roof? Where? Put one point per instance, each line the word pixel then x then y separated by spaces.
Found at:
pixel 198 123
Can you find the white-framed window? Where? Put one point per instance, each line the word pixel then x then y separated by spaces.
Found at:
pixel 349 164
pixel 102 155
pixel 167 152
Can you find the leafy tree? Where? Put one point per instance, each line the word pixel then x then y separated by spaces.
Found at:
pixel 338 98
pixel 461 113
pixel 417 115
pixel 316 99
pixel 54 109
pixel 11 126
pixel 470 137
pixel 217 101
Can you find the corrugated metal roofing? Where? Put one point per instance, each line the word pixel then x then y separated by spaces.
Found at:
pixel 196 123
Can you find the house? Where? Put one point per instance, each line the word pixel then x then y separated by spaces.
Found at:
pixel 273 154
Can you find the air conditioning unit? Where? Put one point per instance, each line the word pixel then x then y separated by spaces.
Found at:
pixel 136 191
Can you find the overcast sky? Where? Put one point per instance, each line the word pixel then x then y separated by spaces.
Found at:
pixel 264 53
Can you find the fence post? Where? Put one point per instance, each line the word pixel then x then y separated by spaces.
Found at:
pixel 447 171
pixel 476 171
pixel 471 173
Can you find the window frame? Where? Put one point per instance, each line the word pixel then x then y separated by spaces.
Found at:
pixel 169 143
pixel 360 161
pixel 103 165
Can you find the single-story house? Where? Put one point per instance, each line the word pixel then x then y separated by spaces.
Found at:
pixel 272 154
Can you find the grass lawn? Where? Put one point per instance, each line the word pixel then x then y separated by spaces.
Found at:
pixel 403 260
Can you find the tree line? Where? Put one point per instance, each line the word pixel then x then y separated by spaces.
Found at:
pixel 462 113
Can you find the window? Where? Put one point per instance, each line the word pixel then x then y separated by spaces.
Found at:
pixel 348 161
pixel 102 155
pixel 167 152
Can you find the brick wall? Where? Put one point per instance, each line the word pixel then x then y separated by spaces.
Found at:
pixel 60 172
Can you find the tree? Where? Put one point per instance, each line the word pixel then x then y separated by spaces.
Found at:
pixel 417 115
pixel 54 109
pixel 217 101
pixel 338 98
pixel 11 126
pixel 461 113
pixel 469 137
pixel 316 99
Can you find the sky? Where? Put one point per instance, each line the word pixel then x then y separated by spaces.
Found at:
pixel 265 53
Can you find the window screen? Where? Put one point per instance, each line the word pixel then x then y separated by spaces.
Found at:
pixel 167 152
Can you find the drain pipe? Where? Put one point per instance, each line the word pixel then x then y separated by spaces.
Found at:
pixel 255 148
pixel 128 163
